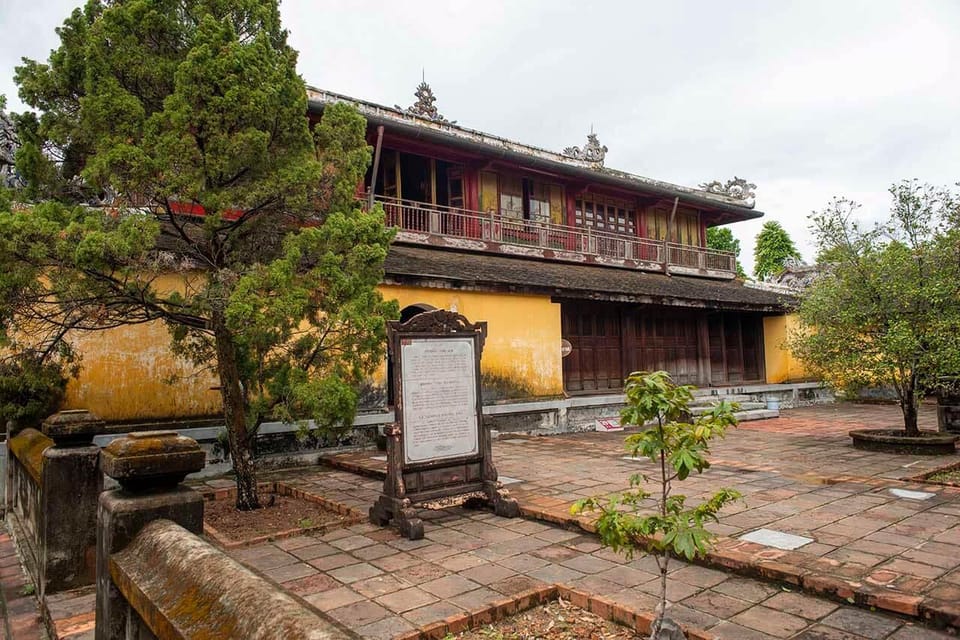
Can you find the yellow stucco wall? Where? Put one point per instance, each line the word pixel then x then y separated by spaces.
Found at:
pixel 781 365
pixel 523 333
pixel 129 373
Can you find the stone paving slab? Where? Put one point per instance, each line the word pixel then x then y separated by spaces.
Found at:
pixel 18 605
pixel 383 586
pixel 458 570
pixel 800 476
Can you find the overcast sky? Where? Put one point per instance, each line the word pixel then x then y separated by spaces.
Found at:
pixel 807 99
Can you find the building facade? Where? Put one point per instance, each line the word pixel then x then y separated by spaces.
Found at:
pixel 585 272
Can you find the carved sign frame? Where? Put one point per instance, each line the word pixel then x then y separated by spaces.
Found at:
pixel 473 474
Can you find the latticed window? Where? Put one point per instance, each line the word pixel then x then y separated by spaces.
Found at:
pixel 606 214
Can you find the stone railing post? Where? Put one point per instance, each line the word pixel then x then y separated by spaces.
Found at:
pixel 150 467
pixel 70 486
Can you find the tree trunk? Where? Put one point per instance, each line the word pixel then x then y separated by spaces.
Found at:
pixel 908 404
pixel 664 560
pixel 235 415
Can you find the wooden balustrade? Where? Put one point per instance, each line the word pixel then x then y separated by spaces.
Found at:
pixel 425 223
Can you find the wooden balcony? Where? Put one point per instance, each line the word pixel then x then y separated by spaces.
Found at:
pixel 436 225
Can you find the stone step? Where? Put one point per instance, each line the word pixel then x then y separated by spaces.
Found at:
pixel 704 400
pixel 756 414
pixel 700 409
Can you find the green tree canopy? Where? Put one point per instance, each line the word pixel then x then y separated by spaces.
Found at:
pixel 192 113
pixel 885 309
pixel 721 238
pixel 772 249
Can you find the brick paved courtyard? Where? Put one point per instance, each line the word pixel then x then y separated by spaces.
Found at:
pixel 798 473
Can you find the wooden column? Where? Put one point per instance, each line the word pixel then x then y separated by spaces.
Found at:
pixel 704 370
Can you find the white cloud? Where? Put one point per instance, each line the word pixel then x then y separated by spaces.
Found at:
pixel 809 99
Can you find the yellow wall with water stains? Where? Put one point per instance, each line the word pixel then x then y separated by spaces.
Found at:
pixel 126 373
pixel 781 365
pixel 130 373
pixel 523 334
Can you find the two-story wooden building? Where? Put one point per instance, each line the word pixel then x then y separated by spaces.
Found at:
pixel 584 273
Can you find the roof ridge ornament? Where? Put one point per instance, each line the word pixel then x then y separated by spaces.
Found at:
pixel 737 188
pixel 593 151
pixel 424 107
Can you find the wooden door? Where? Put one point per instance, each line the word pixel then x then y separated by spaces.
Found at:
pixel 594 363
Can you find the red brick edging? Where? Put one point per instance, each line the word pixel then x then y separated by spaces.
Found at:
pixel 352 516
pixel 741 557
pixel 18 604
pixel 501 609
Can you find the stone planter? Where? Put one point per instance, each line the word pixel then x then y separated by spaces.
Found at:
pixel 928 443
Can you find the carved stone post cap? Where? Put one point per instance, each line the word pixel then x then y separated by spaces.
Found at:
pixel 72 428
pixel 151 459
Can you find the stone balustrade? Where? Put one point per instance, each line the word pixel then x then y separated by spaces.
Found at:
pixel 178 585
pixel 158 579
pixel 52 487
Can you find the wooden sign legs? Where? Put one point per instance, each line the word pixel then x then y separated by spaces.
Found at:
pixel 395 505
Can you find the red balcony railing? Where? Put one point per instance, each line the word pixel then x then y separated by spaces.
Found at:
pixel 429 224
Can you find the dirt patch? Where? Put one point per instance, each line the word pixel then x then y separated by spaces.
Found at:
pixel 287 512
pixel 951 477
pixel 948 475
pixel 554 620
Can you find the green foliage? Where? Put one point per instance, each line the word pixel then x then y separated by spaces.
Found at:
pixel 30 390
pixel 884 310
pixel 721 238
pixel 197 104
pixel 55 145
pixel 678 445
pixel 771 250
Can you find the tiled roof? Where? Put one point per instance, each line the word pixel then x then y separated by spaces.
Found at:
pixel 420 265
pixel 459 136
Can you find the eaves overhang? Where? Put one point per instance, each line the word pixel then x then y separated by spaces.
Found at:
pixel 495 147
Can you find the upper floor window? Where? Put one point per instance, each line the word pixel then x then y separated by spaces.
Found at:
pixel 686 227
pixel 524 199
pixel 606 214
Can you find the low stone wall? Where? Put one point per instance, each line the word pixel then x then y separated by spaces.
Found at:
pixel 180 586
pixel 278 444
pixel 51 495
pixel 23 491
pixel 158 579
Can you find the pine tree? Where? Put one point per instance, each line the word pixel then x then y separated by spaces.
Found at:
pixel 192 112
pixel 772 249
